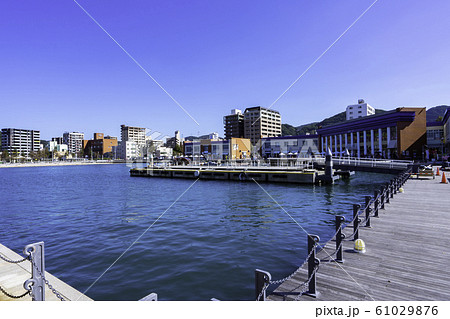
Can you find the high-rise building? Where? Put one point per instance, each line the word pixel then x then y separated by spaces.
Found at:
pixel 20 142
pixel 359 110
pixel 74 142
pixel 234 124
pixel 260 122
pixel 173 141
pixel 133 141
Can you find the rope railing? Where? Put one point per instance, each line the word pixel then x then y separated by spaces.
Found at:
pixel 371 208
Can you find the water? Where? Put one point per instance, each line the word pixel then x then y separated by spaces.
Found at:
pixel 206 245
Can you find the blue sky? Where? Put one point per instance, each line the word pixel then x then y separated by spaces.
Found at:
pixel 60 71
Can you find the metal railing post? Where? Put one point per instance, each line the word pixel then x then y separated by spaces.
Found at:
pixel 383 197
pixel 376 203
pixel 367 210
pixel 388 193
pixel 339 238
pixel 36 283
pixel 356 220
pixel 313 262
pixel 391 191
pixel 395 185
pixel 262 279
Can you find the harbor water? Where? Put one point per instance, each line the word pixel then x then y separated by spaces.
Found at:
pixel 206 245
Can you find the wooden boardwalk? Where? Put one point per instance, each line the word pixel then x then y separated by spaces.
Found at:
pixel 12 277
pixel 407 257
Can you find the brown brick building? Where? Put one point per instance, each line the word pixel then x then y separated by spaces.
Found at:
pixel 100 146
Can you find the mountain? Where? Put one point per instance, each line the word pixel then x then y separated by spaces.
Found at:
pixel 312 127
pixel 434 113
pixel 191 137
pixel 287 130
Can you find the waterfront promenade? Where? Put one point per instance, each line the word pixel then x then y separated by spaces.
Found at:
pixel 407 252
pixel 55 163
pixel 13 275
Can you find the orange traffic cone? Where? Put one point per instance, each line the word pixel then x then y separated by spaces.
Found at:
pixel 444 179
pixel 437 172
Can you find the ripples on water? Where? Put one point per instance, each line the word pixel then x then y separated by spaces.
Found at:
pixel 206 245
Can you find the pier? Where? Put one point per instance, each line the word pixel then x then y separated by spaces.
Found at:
pixel 316 170
pixel 406 230
pixel 15 270
pixel 259 174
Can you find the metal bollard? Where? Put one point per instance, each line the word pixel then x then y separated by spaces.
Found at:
pixel 391 191
pixel 395 185
pixel 262 278
pixel 313 262
pixel 383 197
pixel 36 284
pixel 376 203
pixel 387 196
pixel 367 210
pixel 339 237
pixel 356 220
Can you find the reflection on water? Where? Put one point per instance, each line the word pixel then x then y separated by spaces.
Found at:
pixel 206 245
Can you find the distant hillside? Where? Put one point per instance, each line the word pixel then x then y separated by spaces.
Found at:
pixel 312 127
pixel 434 113
pixel 192 137
pixel 287 130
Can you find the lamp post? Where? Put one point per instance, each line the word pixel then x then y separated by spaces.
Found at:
pixel 442 150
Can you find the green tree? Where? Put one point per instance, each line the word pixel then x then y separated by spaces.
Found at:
pixel 177 150
pixel 5 156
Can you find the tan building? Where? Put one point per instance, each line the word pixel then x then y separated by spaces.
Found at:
pixel 232 149
pixel 260 122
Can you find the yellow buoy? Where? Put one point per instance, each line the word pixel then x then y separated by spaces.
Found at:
pixel 401 190
pixel 360 246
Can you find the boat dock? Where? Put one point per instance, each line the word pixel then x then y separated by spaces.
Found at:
pixel 239 173
pixel 13 276
pixel 406 258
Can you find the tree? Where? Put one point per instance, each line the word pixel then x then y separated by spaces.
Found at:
pixel 5 156
pixel 177 150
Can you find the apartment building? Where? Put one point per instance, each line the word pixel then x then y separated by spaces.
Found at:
pixel 20 142
pixel 74 142
pixel 260 122
pixel 234 124
pixel 359 110
pixel 133 141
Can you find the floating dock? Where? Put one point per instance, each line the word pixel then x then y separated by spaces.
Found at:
pixel 259 174
pixel 13 275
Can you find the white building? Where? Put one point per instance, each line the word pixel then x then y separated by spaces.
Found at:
pixel 214 136
pixel 57 149
pixel 133 142
pixel 290 146
pixel 74 142
pixel 359 110
pixel 164 152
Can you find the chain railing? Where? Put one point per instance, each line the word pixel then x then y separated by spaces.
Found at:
pixel 371 208
pixel 34 286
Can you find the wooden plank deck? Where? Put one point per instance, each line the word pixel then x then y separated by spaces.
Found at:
pixel 407 257
pixel 12 277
